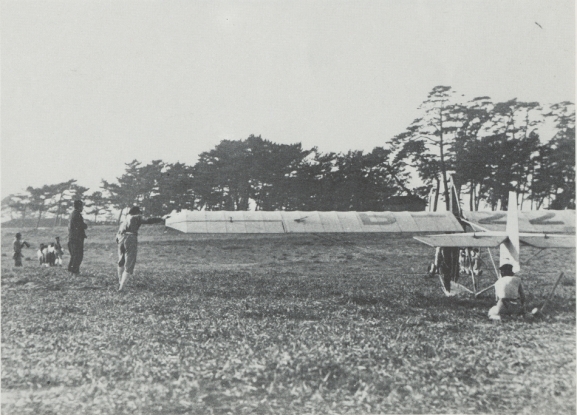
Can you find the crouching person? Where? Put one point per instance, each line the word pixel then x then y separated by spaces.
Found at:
pixel 127 240
pixel 509 294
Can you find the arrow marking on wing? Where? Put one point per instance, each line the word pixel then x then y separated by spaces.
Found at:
pixel 495 219
pixel 544 220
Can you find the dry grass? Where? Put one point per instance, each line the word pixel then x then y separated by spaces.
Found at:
pixel 276 324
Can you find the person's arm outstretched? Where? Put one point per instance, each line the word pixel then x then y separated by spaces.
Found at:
pixel 151 221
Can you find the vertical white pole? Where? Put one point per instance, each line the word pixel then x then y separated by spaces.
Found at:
pixel 509 253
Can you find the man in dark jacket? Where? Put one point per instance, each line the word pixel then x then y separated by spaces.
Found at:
pixel 76 236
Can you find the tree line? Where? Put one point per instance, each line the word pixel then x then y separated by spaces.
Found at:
pixel 490 148
pixel 494 148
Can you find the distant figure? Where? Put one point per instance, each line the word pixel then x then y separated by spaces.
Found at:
pixel 49 254
pixel 434 267
pixel 469 261
pixel 476 262
pixel 464 261
pixel 447 265
pixel 509 294
pixel 58 251
pixel 76 236
pixel 127 240
pixel 18 245
pixel 40 254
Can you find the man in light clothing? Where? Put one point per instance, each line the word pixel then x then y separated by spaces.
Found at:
pixel 509 294
pixel 127 240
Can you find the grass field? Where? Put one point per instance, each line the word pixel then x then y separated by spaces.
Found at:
pixel 276 324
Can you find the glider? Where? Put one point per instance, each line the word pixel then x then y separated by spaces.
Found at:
pixel 541 229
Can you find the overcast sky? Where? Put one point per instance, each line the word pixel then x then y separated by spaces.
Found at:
pixel 89 86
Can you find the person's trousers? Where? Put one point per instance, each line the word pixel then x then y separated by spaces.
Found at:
pixel 509 306
pixel 127 249
pixel 76 248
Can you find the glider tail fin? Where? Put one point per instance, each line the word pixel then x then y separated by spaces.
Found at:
pixel 509 252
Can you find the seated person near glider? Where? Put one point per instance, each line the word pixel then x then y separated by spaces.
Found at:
pixel 509 294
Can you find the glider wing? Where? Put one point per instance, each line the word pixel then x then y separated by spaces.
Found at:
pixel 541 221
pixel 548 241
pixel 312 222
pixel 473 240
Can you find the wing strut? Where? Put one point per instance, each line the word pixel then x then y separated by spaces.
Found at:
pixel 534 256
pixel 478 293
pixel 493 262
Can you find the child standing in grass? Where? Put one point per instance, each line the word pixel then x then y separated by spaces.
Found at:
pixel 40 254
pixel 127 240
pixel 58 251
pixel 18 245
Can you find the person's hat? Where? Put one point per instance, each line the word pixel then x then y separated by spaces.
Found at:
pixel 506 269
pixel 134 210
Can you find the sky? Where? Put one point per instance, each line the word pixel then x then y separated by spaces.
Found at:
pixel 87 86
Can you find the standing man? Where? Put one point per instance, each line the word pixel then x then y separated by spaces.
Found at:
pixel 127 240
pixel 76 236
pixel 509 294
